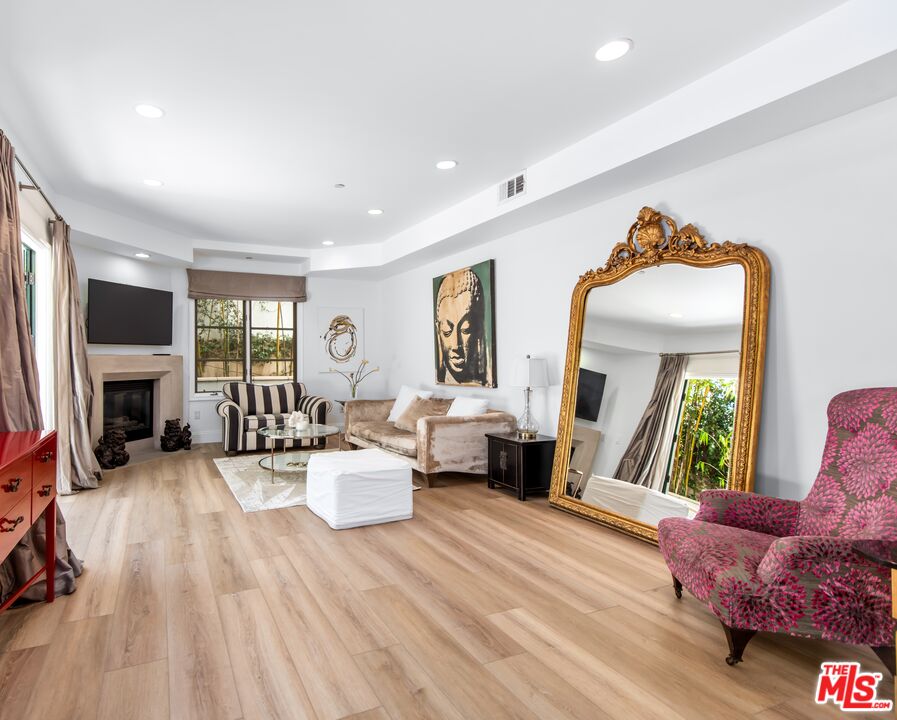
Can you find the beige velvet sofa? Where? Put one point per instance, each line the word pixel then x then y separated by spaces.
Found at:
pixel 441 443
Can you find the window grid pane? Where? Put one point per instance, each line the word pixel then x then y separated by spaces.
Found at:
pixel 28 262
pixel 272 342
pixel 219 344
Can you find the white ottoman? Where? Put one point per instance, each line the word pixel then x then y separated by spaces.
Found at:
pixel 360 487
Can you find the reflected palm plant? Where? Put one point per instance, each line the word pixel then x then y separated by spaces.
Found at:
pixel 703 451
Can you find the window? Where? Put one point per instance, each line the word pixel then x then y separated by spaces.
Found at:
pixel 252 341
pixel 272 342
pixel 38 275
pixel 30 306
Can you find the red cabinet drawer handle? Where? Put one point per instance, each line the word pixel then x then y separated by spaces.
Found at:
pixel 12 486
pixel 44 491
pixel 11 524
pixel 46 457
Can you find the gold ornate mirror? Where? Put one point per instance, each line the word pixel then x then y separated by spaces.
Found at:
pixel 664 372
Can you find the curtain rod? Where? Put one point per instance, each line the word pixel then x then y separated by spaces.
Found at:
pixel 35 186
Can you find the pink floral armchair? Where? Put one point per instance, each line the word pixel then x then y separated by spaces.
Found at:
pixel 768 564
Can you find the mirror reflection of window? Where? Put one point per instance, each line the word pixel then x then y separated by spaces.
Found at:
pixel 701 455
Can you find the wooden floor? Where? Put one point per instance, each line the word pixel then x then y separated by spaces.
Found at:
pixel 479 607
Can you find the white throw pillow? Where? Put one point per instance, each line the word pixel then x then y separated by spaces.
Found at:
pixel 467 406
pixel 403 400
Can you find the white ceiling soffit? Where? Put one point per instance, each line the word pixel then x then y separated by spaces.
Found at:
pixel 847 60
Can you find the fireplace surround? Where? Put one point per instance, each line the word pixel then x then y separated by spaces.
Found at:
pixel 164 372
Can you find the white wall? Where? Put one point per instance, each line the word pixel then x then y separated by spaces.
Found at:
pixel 627 390
pixel 200 412
pixel 816 202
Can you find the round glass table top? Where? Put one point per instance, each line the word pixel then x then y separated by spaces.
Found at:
pixel 287 432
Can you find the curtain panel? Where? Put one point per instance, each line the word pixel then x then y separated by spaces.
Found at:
pixel 244 286
pixel 19 394
pixel 644 462
pixel 78 466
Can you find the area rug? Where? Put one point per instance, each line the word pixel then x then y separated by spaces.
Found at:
pixel 252 486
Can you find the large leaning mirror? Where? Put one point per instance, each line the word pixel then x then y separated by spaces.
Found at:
pixel 662 384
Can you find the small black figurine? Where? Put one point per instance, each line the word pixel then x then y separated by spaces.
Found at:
pixel 110 450
pixel 171 439
pixel 186 437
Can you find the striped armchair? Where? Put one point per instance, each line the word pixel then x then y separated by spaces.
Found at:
pixel 249 407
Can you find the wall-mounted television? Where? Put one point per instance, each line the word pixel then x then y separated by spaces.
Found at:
pixel 127 315
pixel 589 393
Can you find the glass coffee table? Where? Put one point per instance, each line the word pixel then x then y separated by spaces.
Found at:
pixel 291 461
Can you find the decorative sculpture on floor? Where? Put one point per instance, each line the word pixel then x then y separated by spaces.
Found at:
pixel 110 450
pixel 186 437
pixel 172 439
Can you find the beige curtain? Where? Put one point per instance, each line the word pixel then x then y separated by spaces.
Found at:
pixel 78 466
pixel 645 459
pixel 19 396
pixel 28 556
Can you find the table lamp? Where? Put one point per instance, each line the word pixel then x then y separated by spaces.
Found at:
pixel 529 373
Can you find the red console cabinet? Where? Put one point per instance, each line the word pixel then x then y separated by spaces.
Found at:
pixel 27 491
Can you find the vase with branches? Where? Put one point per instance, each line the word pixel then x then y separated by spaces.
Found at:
pixel 357 376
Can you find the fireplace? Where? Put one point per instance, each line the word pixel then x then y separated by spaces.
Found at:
pixel 128 406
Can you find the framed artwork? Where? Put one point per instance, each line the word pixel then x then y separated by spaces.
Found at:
pixel 464 326
pixel 340 338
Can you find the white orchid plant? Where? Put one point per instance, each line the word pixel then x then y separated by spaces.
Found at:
pixel 356 377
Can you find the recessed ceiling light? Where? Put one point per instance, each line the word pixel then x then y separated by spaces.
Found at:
pixel 328 243
pixel 375 211
pixel 141 255
pixel 149 182
pixel 340 186
pixel 446 164
pixel 613 50
pixel 149 111
pixel 677 316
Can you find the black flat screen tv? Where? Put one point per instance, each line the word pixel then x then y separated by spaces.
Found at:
pixel 127 315
pixel 589 393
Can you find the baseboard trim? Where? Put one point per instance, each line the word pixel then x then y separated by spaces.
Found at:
pixel 205 437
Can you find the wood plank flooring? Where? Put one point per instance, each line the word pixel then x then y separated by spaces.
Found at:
pixel 479 607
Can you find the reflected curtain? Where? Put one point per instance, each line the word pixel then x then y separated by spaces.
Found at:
pixel 78 466
pixel 645 459
pixel 19 395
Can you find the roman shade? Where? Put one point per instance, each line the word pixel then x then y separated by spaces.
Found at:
pixel 244 286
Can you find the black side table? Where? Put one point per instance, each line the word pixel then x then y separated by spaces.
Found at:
pixel 521 465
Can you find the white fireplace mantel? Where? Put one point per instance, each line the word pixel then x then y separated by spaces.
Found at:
pixel 167 373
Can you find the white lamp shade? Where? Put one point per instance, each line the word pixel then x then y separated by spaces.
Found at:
pixel 530 372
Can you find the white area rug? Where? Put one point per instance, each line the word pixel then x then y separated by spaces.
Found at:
pixel 252 486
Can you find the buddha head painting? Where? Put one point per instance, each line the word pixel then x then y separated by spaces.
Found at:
pixel 463 311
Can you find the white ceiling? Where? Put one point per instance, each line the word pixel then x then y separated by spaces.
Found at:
pixel 269 104
pixel 704 297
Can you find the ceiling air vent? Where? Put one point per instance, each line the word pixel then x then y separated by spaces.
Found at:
pixel 512 187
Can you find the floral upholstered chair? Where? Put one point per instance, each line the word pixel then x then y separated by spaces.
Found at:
pixel 768 564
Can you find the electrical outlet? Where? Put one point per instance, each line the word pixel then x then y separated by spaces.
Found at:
pixel 197 414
